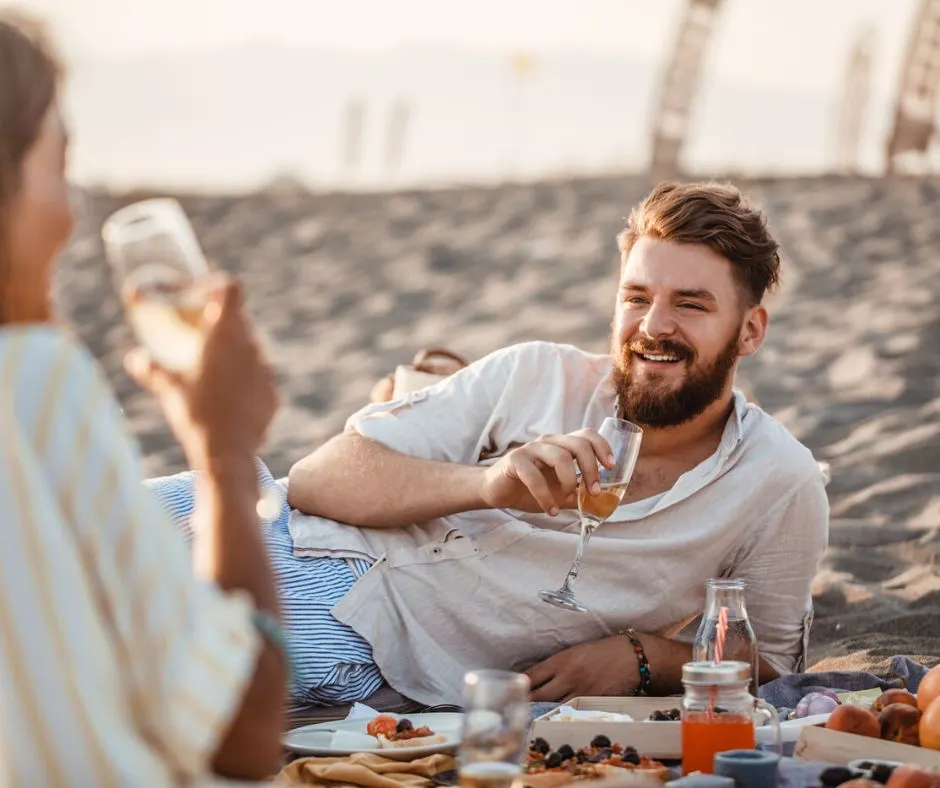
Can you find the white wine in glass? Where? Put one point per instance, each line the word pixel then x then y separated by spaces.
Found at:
pixel 624 438
pixel 162 277
pixel 161 274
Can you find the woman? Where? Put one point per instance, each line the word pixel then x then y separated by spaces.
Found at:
pixel 122 661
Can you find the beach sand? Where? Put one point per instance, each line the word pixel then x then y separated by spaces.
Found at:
pixel 347 286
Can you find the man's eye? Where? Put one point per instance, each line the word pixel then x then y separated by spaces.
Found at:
pixel 697 307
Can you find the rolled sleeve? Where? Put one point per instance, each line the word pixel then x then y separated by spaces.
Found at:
pixel 397 426
pixel 451 421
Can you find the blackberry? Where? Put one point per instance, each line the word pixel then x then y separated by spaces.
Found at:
pixel 881 772
pixel 600 741
pixel 404 725
pixel 554 761
pixel 835 775
pixel 565 751
pixel 540 746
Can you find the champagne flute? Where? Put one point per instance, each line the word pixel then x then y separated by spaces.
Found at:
pixel 496 720
pixel 624 438
pixel 162 275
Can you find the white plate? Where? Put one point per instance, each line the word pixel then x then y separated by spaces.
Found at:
pixel 317 739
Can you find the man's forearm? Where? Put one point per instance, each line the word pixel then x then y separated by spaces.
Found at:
pixel 359 481
pixel 666 658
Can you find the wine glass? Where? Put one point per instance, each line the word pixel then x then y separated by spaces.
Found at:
pixel 495 724
pixel 624 438
pixel 162 275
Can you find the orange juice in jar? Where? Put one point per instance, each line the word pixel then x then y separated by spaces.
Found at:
pixel 718 713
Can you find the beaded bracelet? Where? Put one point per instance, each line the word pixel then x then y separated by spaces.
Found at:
pixel 646 676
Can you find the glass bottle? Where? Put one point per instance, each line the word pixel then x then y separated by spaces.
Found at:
pixel 719 714
pixel 740 641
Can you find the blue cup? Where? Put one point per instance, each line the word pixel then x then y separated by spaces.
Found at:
pixel 749 768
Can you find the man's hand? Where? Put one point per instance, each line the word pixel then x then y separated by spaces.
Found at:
pixel 603 667
pixel 542 475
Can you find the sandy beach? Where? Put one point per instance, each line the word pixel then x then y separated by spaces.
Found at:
pixel 347 286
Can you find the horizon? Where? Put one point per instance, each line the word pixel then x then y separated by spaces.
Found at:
pixel 788 62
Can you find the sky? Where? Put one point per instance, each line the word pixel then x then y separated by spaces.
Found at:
pixel 792 45
pixel 783 43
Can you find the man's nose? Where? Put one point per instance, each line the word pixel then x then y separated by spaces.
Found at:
pixel 658 322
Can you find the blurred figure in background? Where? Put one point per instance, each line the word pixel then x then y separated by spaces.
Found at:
pixel 118 664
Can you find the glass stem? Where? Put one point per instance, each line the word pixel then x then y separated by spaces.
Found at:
pixel 587 529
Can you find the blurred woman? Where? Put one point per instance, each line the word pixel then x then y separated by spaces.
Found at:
pixel 123 661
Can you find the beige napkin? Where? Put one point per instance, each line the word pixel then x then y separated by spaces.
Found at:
pixel 365 770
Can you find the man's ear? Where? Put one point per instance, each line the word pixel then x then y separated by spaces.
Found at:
pixel 753 330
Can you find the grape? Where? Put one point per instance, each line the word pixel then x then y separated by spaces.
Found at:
pixel 822 704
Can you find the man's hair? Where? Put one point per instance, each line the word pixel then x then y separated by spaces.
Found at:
pixel 715 216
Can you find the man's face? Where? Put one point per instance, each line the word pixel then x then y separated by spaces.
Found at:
pixel 679 327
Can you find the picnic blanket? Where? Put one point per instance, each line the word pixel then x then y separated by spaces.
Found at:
pixel 785 692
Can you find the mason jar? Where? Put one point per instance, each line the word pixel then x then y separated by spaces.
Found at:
pixel 719 713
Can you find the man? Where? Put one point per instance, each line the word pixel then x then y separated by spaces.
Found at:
pixel 463 493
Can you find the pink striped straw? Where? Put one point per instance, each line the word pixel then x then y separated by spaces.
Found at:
pixel 721 634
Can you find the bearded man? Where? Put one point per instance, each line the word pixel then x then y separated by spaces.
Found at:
pixel 441 515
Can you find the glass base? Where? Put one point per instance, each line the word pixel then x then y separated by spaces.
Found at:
pixel 563 599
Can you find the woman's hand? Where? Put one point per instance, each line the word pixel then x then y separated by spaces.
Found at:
pixel 224 406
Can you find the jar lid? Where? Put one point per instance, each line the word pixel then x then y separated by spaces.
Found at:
pixel 715 673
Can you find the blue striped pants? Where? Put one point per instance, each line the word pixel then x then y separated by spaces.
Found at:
pixel 332 663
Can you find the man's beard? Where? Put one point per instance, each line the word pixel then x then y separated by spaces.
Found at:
pixel 645 400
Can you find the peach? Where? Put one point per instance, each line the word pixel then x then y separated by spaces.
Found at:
pixel 929 688
pixel 910 775
pixel 900 722
pixel 930 726
pixel 890 696
pixel 854 719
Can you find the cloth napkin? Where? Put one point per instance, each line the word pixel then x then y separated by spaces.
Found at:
pixel 365 770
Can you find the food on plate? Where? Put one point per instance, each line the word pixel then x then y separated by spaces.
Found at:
pixel 812 703
pixel 930 726
pixel 835 776
pixel 890 696
pixel 602 758
pixel 911 776
pixel 667 715
pixel 854 719
pixel 392 732
pixel 860 782
pixel 900 722
pixel 929 688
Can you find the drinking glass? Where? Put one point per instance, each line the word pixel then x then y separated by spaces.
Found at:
pixel 496 721
pixel 161 273
pixel 624 438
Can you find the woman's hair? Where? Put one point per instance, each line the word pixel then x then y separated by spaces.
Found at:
pixel 29 81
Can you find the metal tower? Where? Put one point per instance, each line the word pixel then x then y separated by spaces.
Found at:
pixel 916 105
pixel 680 83
pixel 856 94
